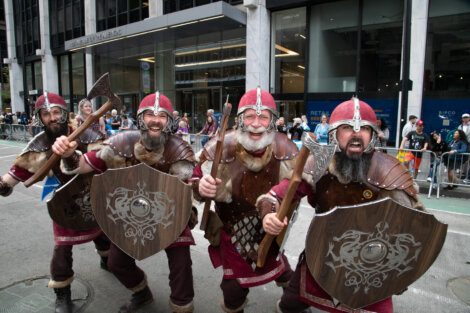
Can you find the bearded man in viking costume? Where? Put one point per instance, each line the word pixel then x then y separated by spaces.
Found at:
pixel 51 112
pixel 255 157
pixel 357 174
pixel 154 145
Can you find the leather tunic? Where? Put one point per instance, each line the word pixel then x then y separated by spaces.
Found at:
pixel 247 185
pixel 385 173
pixel 175 149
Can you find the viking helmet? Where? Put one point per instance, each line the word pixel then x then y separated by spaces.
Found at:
pixel 355 113
pixel 156 102
pixel 47 101
pixel 258 100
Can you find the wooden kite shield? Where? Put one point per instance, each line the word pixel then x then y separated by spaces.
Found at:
pixel 365 253
pixel 141 209
pixel 70 205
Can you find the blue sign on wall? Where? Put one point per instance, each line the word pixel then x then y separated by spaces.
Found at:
pixel 384 108
pixel 443 115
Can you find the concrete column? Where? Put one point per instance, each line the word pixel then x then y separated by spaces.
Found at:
pixel 155 8
pixel 257 46
pixel 50 77
pixel 419 22
pixel 90 28
pixel 15 70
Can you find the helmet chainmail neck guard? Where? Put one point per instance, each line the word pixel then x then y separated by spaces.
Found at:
pixel 356 114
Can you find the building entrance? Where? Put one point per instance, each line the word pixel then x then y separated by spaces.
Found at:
pixel 196 102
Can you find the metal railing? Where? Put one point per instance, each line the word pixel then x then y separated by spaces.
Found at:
pixel 25 133
pixel 454 171
pixel 18 132
pixel 422 165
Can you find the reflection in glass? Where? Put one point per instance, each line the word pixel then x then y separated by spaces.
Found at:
pixel 289 29
pixel 381 44
pixel 447 71
pixel 333 47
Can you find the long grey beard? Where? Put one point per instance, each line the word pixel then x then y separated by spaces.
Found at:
pixel 352 169
pixel 152 143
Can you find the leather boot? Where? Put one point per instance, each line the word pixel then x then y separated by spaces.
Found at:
pixel 63 302
pixel 138 300
pixel 104 263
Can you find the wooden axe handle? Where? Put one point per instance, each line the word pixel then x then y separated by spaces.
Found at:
pixel 54 158
pixel 286 207
pixel 215 164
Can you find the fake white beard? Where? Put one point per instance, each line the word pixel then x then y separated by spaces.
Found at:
pixel 249 144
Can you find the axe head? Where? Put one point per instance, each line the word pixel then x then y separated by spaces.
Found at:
pixel 319 158
pixel 102 87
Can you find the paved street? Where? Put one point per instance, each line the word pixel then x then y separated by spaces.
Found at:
pixel 26 244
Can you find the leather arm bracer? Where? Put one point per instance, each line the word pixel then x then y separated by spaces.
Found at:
pixel 266 204
pixel 5 189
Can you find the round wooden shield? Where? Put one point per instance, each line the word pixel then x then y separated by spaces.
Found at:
pixel 70 206
pixel 365 253
pixel 140 209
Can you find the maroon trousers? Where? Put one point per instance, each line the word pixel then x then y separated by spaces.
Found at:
pixel 179 262
pixel 235 295
pixel 62 261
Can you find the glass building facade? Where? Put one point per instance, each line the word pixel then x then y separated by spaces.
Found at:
pixel 320 53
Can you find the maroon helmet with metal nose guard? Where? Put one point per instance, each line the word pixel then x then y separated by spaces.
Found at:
pixel 157 102
pixel 47 101
pixel 355 113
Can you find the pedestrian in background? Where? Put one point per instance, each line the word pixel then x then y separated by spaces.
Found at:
pixel 85 108
pixel 453 160
pixel 281 125
pixel 465 125
pixel 321 130
pixel 304 124
pixel 382 133
pixel 410 126
pixel 416 140
pixel 438 146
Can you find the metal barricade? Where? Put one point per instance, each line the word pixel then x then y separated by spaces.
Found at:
pixel 454 171
pixel 196 141
pixel 422 165
pixel 5 131
pixel 18 132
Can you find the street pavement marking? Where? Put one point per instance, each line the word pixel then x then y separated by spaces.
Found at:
pixel 459 232
pixel 450 212
pixel 8 147
pixel 438 297
pixel 8 156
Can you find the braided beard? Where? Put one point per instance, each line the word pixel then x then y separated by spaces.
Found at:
pixel 349 169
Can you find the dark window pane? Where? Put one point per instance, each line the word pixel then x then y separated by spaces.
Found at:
pixel 122 6
pixel 186 4
pixel 134 16
pixel 111 22
pixel 122 19
pixel 111 7
pixel 134 4
pixel 145 12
